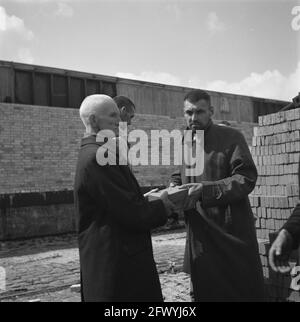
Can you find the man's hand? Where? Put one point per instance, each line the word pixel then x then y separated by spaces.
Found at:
pixel 149 192
pixel 169 206
pixel 280 252
pixel 194 195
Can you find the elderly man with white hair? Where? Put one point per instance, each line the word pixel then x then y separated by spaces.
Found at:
pixel 114 218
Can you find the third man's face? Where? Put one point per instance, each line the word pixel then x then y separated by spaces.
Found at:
pixel 197 115
pixel 127 115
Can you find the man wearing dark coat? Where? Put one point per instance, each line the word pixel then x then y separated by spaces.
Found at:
pixel 126 108
pixel 114 218
pixel 287 240
pixel 221 252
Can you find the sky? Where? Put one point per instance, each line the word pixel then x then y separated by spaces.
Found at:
pixel 241 47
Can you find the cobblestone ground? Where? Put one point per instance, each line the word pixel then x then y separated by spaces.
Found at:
pixel 45 268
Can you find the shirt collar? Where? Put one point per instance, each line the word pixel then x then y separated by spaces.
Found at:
pixel 91 139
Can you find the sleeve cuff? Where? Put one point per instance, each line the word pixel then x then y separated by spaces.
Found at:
pixel 293 231
pixel 211 194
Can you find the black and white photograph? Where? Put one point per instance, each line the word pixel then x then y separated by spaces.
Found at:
pixel 149 153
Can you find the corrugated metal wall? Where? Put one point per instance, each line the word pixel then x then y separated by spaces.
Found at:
pixel 37 85
pixel 168 100
pixel 6 84
pixel 48 87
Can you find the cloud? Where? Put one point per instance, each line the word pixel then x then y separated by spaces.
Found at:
pixel 214 24
pixel 269 84
pixel 15 38
pixel 64 10
pixel 156 77
pixel 25 56
pixel 15 24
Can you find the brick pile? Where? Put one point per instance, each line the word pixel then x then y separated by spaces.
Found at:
pixel 276 151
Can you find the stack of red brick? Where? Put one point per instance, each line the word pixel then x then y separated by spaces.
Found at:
pixel 276 151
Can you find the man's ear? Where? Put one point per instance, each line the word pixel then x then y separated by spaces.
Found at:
pixel 92 121
pixel 212 110
pixel 122 110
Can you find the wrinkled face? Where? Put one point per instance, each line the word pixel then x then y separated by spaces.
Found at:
pixel 107 120
pixel 127 114
pixel 197 115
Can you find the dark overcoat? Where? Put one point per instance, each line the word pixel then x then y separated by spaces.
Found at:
pixel 114 223
pixel 221 248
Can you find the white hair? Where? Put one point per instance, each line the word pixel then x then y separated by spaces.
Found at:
pixel 94 105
